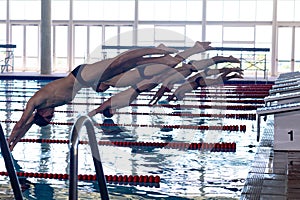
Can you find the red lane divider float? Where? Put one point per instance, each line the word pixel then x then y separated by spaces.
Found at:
pixel 209 100
pixel 213 147
pixel 247 116
pixel 234 116
pixel 222 107
pixel 195 127
pixel 142 180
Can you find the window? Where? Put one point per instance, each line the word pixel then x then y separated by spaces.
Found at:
pixel 60 9
pixel 25 10
pixel 103 10
pixel 2 10
pixel 238 34
pixel 2 35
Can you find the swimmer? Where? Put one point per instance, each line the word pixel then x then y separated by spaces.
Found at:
pixel 40 107
pixel 198 80
pixel 188 69
pixel 147 71
pixel 126 97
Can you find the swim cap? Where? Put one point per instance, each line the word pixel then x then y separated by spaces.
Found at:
pixel 107 113
pixel 40 120
pixel 43 116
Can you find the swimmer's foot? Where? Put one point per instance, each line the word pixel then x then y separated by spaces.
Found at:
pixel 198 47
pixel 164 47
pixel 234 76
pixel 223 59
pixel 202 46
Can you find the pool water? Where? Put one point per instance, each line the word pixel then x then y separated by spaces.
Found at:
pixel 184 173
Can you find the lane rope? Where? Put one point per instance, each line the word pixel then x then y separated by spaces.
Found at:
pixel 213 147
pixel 195 127
pixel 141 180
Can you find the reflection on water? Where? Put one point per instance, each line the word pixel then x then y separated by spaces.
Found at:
pixel 185 174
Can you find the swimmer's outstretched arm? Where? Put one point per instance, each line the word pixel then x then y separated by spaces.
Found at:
pixel 173 76
pixel 126 97
pixel 188 69
pixel 198 81
pixel 147 68
pixel 22 126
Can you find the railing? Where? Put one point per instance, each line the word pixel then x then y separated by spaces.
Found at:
pixel 10 166
pixel 74 141
pixel 8 57
pixel 252 59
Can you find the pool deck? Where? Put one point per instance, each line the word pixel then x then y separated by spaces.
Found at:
pixel 274 174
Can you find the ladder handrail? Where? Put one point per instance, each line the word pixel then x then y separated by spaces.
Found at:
pixel 74 142
pixel 10 166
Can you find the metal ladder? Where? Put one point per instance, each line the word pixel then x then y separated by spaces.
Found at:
pixel 74 141
pixel 10 166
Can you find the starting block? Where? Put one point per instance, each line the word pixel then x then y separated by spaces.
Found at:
pixel 284 104
pixel 287 131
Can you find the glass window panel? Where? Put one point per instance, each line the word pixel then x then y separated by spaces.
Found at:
pixel 18 39
pixel 146 35
pixel 193 33
pixel 214 10
pixel 23 10
pixel 263 14
pixel 284 49
pixel 3 9
pixel 61 41
pixel 3 33
pixel 96 52
pixel 194 10
pixel 61 49
pixel 162 10
pixel 214 34
pixel 88 10
pixel 286 11
pixel 238 34
pixel 17 10
pixel 126 10
pixel 297 10
pixel 126 36
pixel 80 45
pixel 95 37
pixel 231 10
pixel 169 35
pixel 104 10
pixel 297 49
pixel 146 10
pixel 111 38
pixel 32 45
pixel 115 10
pixel 60 9
pixel 178 10
pixel 111 33
pixel 263 34
pixel 247 10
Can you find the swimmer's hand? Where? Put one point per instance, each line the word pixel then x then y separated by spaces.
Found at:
pixel 18 132
pixel 159 94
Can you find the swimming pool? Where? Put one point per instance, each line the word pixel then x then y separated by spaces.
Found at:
pixel 223 114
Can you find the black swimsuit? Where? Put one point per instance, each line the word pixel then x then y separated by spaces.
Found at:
pixel 77 74
pixel 141 71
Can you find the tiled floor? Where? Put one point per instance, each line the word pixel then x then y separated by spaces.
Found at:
pixel 274 174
